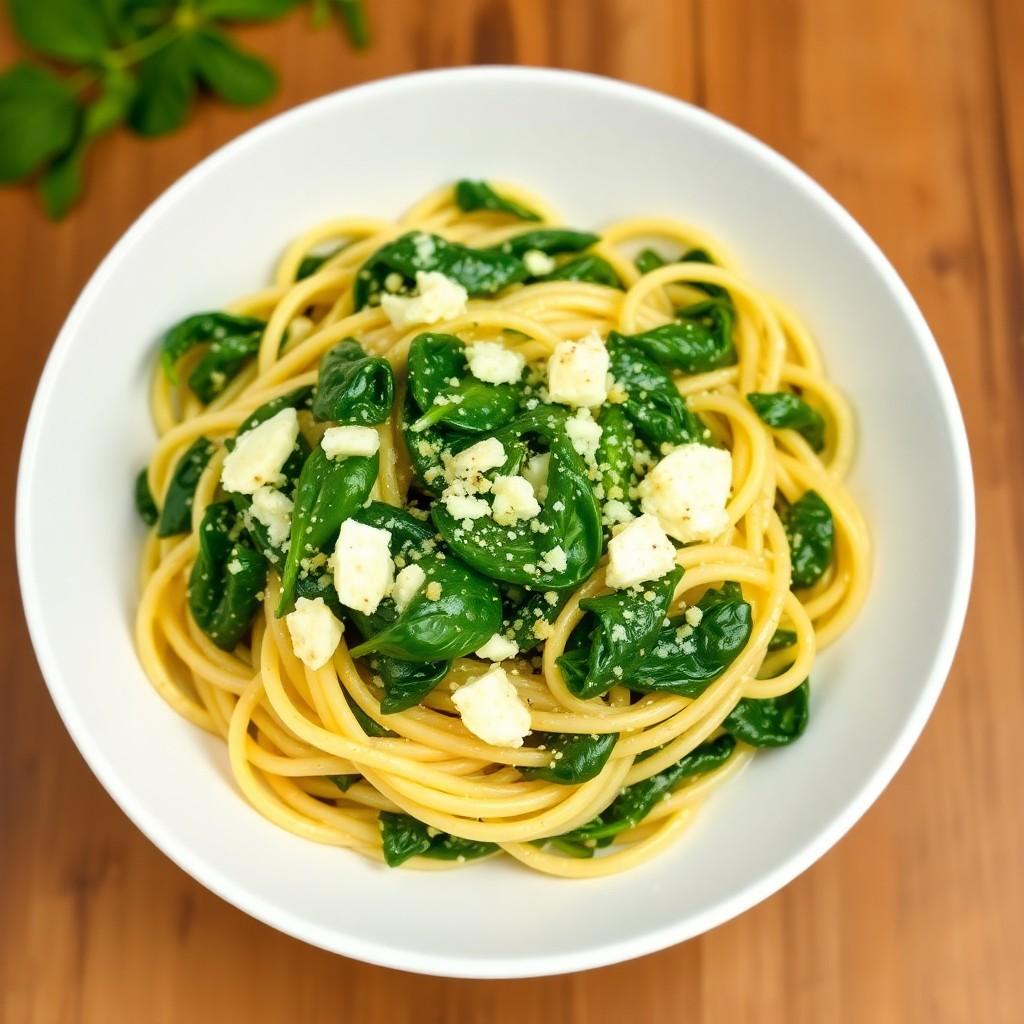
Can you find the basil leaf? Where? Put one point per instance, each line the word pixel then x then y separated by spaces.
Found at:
pixel 811 535
pixel 772 722
pixel 622 627
pixel 575 757
pixel 549 240
pixel 780 409
pixel 38 118
pixel 66 29
pixel 479 271
pixel 594 269
pixel 144 503
pixel 653 404
pixel 478 195
pixel 227 579
pixel 236 77
pixel 352 387
pixel 61 183
pixel 245 10
pixel 685 659
pixel 166 90
pixel 353 16
pixel 111 106
pixel 403 836
pixel 176 516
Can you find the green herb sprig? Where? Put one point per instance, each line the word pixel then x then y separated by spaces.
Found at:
pixel 139 63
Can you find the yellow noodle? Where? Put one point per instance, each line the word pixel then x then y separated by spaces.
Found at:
pixel 292 731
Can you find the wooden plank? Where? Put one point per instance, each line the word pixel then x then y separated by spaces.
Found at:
pixel 912 113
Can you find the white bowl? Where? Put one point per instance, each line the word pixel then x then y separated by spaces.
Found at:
pixel 600 150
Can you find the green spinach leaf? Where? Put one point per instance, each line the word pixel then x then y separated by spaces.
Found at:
pixel 226 584
pixel 810 531
pixel 549 240
pixel 328 492
pixel 771 722
pixel 685 659
pixel 312 263
pixel 653 403
pixel 237 338
pixel 176 516
pixel 406 683
pixel 352 387
pixel 622 628
pixel 479 271
pixel 144 503
pixel 403 836
pixel 782 409
pixel 591 268
pixel 694 345
pixel 478 195
pixel 575 757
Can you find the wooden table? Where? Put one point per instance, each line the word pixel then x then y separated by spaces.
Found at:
pixel 911 112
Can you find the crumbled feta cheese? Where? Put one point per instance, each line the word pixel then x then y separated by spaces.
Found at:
pixel 584 434
pixel 538 263
pixel 490 361
pixel 461 503
pixel 434 591
pixel 260 453
pixel 235 566
pixel 439 298
pixel 578 372
pixel 478 458
pixel 639 552
pixel 338 442
pixel 491 709
pixel 363 568
pixel 314 630
pixel 513 500
pixel 274 510
pixel 693 616
pixel 688 491
pixel 498 648
pixel 554 560
pixel 407 585
pixel 614 512
pixel 536 471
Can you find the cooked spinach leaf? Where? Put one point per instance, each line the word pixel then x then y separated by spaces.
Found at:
pixel 176 515
pixel 478 195
pixel 782 409
pixel 352 387
pixel 575 757
pixel 144 503
pixel 810 531
pixel 403 836
pixel 773 721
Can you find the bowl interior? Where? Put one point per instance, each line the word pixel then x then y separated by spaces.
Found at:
pixel 598 150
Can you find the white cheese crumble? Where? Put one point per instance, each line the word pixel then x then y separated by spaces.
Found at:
pixel 555 559
pixel 363 568
pixel 491 709
pixel 693 616
pixel 584 434
pixel 461 504
pixel 439 298
pixel 578 372
pixel 688 491
pixel 339 442
pixel 408 584
pixel 478 458
pixel 274 510
pixel 498 648
pixel 614 512
pixel 492 363
pixel 538 263
pixel 513 500
pixel 639 552
pixel 536 471
pixel 260 453
pixel 315 632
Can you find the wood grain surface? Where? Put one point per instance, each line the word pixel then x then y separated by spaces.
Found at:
pixel 911 112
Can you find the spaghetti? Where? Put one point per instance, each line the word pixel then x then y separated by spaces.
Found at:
pixel 614 766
